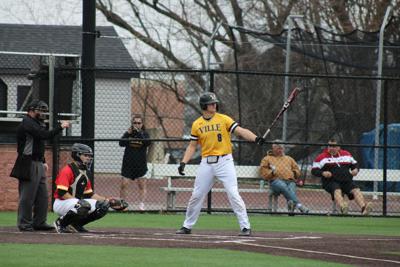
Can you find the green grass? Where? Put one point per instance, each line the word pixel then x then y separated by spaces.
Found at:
pixel 262 223
pixel 53 255
pixel 60 255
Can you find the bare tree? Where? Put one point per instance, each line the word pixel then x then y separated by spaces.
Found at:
pixel 180 30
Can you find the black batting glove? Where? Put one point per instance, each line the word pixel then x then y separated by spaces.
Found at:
pixel 181 168
pixel 259 140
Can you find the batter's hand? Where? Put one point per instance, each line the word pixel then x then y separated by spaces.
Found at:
pixel 181 168
pixel 259 140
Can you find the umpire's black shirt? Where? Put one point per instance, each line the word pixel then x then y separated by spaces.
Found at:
pixel 31 134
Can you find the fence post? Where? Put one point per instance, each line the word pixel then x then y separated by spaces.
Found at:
pixel 385 133
pixel 88 72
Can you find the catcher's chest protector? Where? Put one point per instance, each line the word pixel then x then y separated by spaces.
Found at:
pixel 81 179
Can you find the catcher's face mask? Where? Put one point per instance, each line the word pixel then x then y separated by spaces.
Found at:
pixel 86 159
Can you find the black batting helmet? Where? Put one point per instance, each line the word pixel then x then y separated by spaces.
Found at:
pixel 78 149
pixel 38 105
pixel 206 99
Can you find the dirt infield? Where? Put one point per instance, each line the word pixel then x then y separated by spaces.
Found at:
pixel 357 250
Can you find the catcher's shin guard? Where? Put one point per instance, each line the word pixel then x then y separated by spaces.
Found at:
pixel 100 211
pixel 69 218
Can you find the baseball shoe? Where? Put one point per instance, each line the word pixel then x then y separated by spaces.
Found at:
pixel 43 227
pixel 59 228
pixel 77 228
pixel 367 209
pixel 245 232
pixel 26 229
pixel 344 209
pixel 141 206
pixel 303 209
pixel 184 231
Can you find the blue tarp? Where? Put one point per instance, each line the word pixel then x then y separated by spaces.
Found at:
pixel 393 157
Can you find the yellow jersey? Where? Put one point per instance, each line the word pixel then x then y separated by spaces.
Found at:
pixel 214 134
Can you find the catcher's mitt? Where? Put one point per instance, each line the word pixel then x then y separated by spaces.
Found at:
pixel 118 203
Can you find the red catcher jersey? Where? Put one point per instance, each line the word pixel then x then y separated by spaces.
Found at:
pixel 73 185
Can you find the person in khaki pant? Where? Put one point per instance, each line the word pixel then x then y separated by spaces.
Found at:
pixel 282 171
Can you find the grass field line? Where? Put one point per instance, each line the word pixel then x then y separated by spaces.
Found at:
pixel 318 252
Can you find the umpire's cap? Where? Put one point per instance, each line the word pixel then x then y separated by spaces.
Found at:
pixel 38 105
pixel 206 99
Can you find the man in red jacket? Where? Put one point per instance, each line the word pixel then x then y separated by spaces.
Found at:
pixel 337 167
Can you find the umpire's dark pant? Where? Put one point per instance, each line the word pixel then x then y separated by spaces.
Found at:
pixel 33 198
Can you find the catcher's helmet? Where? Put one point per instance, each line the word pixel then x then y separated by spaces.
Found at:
pixel 38 105
pixel 206 99
pixel 78 149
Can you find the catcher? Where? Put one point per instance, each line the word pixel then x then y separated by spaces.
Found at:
pixel 75 201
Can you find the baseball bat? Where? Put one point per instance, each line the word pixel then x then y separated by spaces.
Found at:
pixel 286 105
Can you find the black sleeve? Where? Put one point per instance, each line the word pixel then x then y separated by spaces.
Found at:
pixel 37 131
pixel 316 172
pixel 124 142
pixel 146 137
pixel 354 166
pixel 89 195
pixel 61 192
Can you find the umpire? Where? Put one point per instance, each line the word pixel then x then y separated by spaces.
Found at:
pixel 30 168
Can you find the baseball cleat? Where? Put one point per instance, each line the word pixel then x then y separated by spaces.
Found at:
pixel 77 228
pixel 59 228
pixel 245 232
pixel 184 231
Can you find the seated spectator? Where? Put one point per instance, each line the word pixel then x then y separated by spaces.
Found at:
pixel 282 171
pixel 337 167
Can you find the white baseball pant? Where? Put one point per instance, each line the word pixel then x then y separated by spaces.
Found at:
pixel 61 207
pixel 224 171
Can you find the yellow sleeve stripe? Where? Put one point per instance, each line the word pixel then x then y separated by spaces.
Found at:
pixel 62 187
pixel 88 191
pixel 233 127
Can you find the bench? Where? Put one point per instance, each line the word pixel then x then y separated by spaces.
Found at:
pixel 171 172
pixel 251 173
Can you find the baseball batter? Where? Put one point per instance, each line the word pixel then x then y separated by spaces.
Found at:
pixel 212 131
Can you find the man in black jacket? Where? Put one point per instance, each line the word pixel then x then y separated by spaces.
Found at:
pixel 31 167
pixel 337 167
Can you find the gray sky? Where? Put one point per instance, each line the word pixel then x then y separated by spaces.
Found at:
pixel 69 12
pixel 44 12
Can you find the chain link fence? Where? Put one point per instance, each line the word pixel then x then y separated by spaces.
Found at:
pixel 167 101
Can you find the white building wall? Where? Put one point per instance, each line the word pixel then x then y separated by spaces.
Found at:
pixel 112 119
pixel 12 82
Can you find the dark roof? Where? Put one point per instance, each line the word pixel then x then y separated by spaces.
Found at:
pixel 55 39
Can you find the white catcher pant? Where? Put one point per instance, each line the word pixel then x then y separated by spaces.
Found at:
pixel 225 172
pixel 61 207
